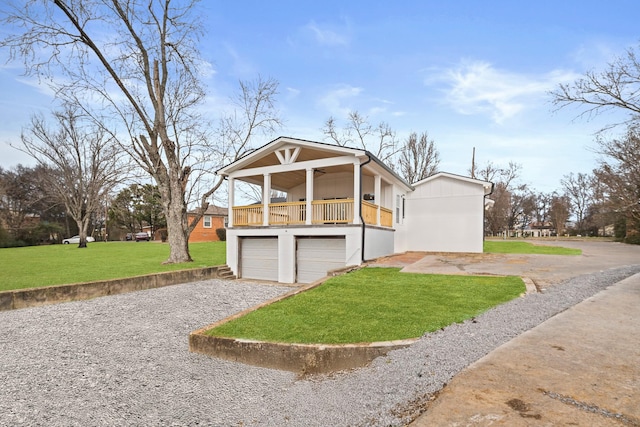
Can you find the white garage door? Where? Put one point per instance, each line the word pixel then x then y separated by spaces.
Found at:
pixel 315 256
pixel 259 258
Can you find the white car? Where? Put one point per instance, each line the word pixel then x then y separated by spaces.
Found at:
pixel 76 239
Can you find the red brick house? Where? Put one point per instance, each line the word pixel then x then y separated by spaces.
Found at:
pixel 205 231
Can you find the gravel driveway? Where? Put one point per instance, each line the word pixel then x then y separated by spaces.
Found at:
pixel 123 360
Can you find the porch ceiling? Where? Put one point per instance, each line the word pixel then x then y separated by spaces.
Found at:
pixel 284 181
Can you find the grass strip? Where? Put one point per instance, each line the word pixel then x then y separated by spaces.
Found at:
pixel 373 304
pixel 36 266
pixel 509 247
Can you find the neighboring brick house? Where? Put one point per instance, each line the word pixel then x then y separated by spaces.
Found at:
pixel 205 231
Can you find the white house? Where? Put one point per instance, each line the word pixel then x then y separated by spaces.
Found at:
pixel 343 207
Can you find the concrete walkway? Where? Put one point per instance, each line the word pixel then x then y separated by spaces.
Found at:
pixel 579 368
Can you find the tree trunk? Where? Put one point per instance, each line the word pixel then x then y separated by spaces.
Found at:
pixel 82 232
pixel 176 214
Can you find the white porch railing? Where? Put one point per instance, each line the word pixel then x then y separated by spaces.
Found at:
pixel 338 211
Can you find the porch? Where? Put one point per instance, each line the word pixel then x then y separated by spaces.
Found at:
pixel 334 211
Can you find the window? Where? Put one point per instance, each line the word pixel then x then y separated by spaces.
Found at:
pixel 400 208
pixel 207 221
pixel 403 207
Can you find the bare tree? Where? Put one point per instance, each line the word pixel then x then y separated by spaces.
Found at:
pixel 380 140
pixel 21 197
pixel 521 207
pixel 28 212
pixel 414 159
pixel 134 66
pixel 560 208
pixel 254 114
pixel 617 87
pixel 601 215
pixel 579 189
pixel 82 162
pixel 498 217
pixel 541 208
pixel 419 158
pixel 619 173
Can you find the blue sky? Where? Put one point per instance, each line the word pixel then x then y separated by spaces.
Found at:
pixel 470 73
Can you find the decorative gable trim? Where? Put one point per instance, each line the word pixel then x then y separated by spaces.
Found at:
pixel 287 155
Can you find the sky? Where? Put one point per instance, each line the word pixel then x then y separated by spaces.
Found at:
pixel 472 74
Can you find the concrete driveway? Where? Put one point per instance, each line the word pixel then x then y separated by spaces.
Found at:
pixel 543 270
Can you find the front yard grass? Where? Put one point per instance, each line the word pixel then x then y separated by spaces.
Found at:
pixel 373 304
pixel 510 247
pixel 36 266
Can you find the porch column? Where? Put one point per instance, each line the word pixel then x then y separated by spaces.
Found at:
pixel 232 184
pixel 309 197
pixel 377 187
pixel 356 192
pixel 266 198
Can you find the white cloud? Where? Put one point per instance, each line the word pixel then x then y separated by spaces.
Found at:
pixel 292 92
pixel 207 69
pixel 334 100
pixel 376 110
pixel 40 86
pixel 241 65
pixel 597 54
pixel 479 88
pixel 327 36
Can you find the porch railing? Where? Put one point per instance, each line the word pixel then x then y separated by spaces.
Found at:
pixel 338 211
pixel 386 217
pixel 369 213
pixel 287 213
pixel 247 215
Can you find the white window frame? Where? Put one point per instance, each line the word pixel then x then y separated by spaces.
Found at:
pixel 205 219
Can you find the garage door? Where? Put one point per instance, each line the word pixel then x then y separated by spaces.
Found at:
pixel 315 256
pixel 259 258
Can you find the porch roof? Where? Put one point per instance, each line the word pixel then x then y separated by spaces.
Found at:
pixel 302 151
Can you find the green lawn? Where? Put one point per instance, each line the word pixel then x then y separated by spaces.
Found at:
pixel 373 304
pixel 36 266
pixel 511 247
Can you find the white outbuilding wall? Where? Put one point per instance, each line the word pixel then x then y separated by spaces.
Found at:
pixel 445 213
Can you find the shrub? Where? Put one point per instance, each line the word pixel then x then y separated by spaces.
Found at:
pixel 620 228
pixel 633 238
pixel 163 234
pixel 222 234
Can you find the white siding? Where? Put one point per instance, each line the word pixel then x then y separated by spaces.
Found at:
pixel 378 242
pixel 444 215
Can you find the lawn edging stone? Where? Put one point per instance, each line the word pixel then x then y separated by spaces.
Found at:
pixel 35 297
pixel 299 358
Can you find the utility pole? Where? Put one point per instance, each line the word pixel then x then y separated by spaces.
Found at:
pixel 473 163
